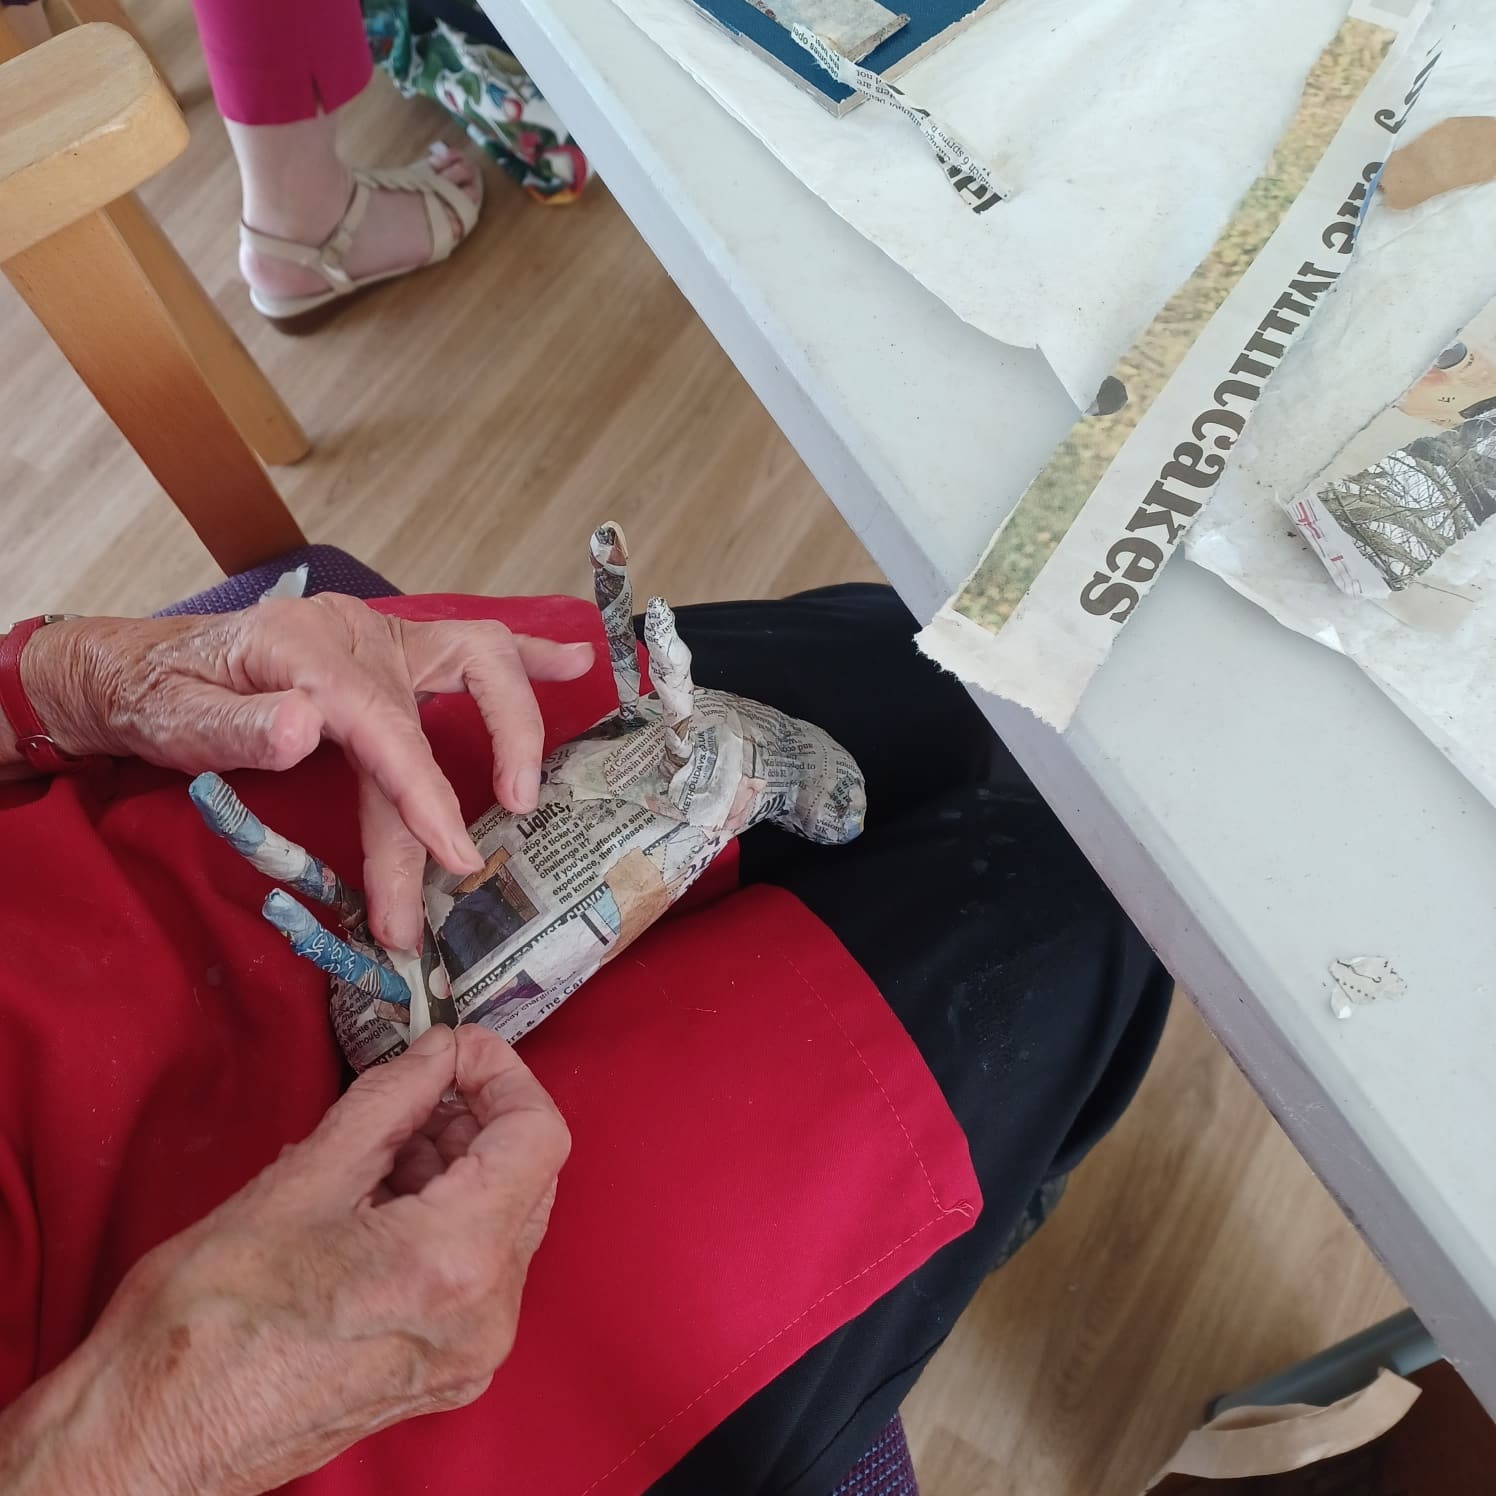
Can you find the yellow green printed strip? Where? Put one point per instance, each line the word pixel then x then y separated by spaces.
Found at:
pixel 1052 501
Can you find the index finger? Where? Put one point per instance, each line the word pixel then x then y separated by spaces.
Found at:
pixel 394 864
pixel 385 740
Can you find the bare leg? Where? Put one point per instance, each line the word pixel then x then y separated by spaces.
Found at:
pixel 296 187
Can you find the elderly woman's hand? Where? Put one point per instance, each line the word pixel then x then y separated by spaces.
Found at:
pixel 370 1274
pixel 260 688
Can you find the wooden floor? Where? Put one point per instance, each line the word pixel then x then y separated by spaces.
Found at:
pixel 471 425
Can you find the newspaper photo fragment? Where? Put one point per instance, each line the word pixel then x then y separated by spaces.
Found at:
pixel 1091 533
pixel 1412 483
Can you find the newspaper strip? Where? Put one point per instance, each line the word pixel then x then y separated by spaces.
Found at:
pixel 970 178
pixel 615 601
pixel 358 968
pixel 1415 481
pixel 1090 534
pixel 226 815
pixel 629 815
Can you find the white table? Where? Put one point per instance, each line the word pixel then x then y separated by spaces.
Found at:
pixel 1254 802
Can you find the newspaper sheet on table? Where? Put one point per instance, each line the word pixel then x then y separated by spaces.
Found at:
pixel 1126 129
pixel 1419 277
pixel 1092 531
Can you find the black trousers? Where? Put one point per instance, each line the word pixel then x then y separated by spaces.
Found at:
pixel 1033 1000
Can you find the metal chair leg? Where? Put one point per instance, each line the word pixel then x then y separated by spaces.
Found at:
pixel 1399 1344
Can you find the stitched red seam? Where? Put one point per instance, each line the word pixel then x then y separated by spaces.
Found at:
pixel 882 1090
pixel 962 1209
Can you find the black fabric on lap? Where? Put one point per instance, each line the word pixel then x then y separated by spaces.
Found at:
pixel 1035 1003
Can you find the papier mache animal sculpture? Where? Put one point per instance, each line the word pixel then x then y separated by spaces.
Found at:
pixel 630 814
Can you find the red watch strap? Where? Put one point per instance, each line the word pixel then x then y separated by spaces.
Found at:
pixel 33 741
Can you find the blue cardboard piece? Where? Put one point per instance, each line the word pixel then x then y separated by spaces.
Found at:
pixel 929 20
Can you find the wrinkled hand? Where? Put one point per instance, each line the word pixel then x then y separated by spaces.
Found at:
pixel 370 1274
pixel 260 688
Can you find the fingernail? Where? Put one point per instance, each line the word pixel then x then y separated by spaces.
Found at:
pixel 400 936
pixel 527 789
pixel 466 855
pixel 437 1038
pixel 402 928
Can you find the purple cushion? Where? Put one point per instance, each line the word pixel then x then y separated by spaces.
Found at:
pixel 885 1470
pixel 328 570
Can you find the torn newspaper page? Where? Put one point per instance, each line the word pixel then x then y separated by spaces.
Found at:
pixel 1413 482
pixel 1091 533
pixel 630 814
pixel 1418 277
pixel 1127 131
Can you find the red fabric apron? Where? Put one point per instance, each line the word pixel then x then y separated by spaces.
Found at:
pixel 759 1151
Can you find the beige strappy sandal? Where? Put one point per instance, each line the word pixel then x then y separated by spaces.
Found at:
pixel 437 192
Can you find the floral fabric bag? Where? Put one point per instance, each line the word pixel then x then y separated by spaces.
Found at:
pixel 447 50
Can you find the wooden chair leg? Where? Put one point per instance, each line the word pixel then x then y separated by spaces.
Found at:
pixel 250 398
pixel 238 381
pixel 102 310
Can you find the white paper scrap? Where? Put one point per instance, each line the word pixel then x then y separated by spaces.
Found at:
pixel 1360 980
pixel 288 584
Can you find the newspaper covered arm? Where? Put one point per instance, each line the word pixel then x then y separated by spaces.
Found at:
pixel 615 601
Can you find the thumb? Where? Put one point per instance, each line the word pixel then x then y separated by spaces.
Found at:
pixel 272 730
pixel 501 1189
pixel 354 1146
pixel 207 727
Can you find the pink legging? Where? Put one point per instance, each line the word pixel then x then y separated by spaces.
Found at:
pixel 275 61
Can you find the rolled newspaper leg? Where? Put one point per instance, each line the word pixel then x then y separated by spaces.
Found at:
pixel 226 815
pixel 670 671
pixel 331 953
pixel 615 601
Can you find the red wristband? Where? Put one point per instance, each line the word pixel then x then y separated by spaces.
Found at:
pixel 33 741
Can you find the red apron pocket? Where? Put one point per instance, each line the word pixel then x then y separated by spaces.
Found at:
pixel 759 1153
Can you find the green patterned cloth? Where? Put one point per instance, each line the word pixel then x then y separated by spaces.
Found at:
pixel 486 90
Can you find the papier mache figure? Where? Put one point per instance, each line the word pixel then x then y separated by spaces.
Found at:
pixel 630 814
